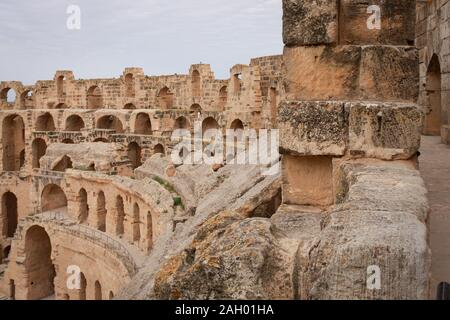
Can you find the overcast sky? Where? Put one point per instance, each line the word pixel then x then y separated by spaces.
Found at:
pixel 161 36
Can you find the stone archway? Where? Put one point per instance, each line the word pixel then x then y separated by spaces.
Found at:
pixel 98 291
pixel 436 115
pixel 39 148
pixel 101 211
pixel 94 98
pixel 110 123
pixel 13 136
pixel 45 123
pixel 159 148
pixel 120 216
pixel 134 154
pixel 9 217
pixel 83 213
pixel 237 125
pixel 136 223
pixel 53 197
pixel 143 125
pixel 74 123
pixel 181 123
pixel 39 268
pixel 83 286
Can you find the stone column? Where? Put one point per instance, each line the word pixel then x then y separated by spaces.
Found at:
pixel 351 77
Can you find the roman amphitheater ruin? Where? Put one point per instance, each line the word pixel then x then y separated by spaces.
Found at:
pixel 87 178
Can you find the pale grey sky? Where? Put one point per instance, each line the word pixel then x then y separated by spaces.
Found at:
pixel 161 36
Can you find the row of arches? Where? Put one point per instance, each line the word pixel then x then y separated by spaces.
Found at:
pixel 14 135
pixel 41 272
pixel 98 291
pixel 54 198
pixel 165 97
pixel 9 96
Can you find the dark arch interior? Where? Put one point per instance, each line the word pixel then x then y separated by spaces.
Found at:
pixel 9 214
pixel 53 197
pixel 38 264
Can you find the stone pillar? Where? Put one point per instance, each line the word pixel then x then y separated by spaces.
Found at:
pixel 351 76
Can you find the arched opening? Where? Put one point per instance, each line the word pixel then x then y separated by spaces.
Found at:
pixel 102 140
pixel 120 216
pixel 94 98
pixel 159 148
pixel 182 123
pixel 98 291
pixel 196 84
pixel 237 125
pixel 136 223
pixel 63 164
pixel 61 106
pixel 110 123
pixel 83 212
pixel 101 211
pixel 40 271
pixel 443 291
pixel 6 252
pixel 273 100
pixel 209 124
pixel 60 86
pixel 134 154
pixel 26 99
pixel 8 96
pixel 149 230
pixel 129 85
pixel 74 123
pixel 9 214
pixel 437 114
pixel 183 154
pixel 68 141
pixel 111 295
pixel 195 110
pixel 129 106
pixel 83 286
pixel 237 83
pixel 223 96
pixel 13 135
pixel 39 148
pixel 52 198
pixel 143 125
pixel 165 98
pixel 45 123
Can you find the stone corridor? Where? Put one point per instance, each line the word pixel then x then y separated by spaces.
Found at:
pixel 435 169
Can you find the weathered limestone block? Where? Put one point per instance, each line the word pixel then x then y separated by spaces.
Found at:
pixel 389 73
pixel 397 22
pixel 229 258
pixel 381 224
pixel 352 241
pixel 375 185
pixel 307 180
pixel 351 73
pixel 322 72
pixel 307 22
pixel 388 131
pixel 313 127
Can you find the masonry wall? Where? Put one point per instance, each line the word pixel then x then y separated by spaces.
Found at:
pixel 433 42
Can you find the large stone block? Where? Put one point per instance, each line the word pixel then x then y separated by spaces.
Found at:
pixel 380 73
pixel 387 131
pixel 322 72
pixel 389 73
pixel 313 128
pixel 307 22
pixel 307 180
pixel 397 22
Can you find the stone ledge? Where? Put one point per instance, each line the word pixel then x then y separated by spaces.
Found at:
pixel 387 131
